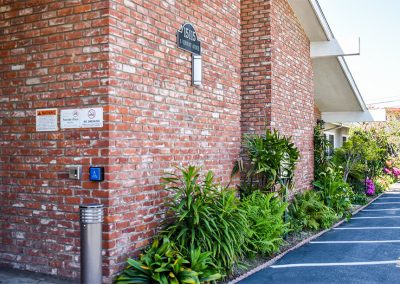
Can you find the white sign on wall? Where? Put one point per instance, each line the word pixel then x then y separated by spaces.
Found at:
pixel 46 119
pixel 91 117
pixel 82 118
pixel 70 118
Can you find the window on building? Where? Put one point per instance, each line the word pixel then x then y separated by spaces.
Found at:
pixel 331 138
pixel 344 139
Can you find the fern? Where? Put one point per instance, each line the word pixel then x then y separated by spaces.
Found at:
pixel 308 211
pixel 265 215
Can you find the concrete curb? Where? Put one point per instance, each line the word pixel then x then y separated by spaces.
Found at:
pixel 279 256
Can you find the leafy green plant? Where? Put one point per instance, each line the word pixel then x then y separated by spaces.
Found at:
pixel 364 154
pixel 202 263
pixel 269 158
pixel 163 263
pixel 308 211
pixel 359 198
pixel 383 182
pixel 335 192
pixel 205 216
pixel 321 148
pixel 265 214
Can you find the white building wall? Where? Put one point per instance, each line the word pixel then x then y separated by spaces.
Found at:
pixel 338 131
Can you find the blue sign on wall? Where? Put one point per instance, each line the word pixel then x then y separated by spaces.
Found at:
pixel 96 173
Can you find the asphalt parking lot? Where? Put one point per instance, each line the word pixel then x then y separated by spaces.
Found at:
pixel 364 250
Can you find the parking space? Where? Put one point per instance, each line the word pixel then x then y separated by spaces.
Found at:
pixel 387 273
pixel 364 250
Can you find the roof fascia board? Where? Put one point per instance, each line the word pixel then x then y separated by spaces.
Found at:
pixel 354 116
pixel 321 19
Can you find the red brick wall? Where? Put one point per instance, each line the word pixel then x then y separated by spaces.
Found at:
pixel 277 86
pixel 159 119
pixel 53 54
pixel 256 66
pixel 292 88
pixel 121 55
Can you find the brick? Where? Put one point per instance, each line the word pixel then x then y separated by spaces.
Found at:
pixel 33 81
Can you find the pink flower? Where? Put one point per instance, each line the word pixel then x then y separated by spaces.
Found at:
pixel 396 172
pixel 387 171
pixel 370 187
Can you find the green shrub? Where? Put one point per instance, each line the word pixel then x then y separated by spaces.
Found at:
pixel 162 263
pixel 364 154
pixel 265 215
pixel 308 211
pixel 269 158
pixel 379 187
pixel 384 181
pixel 322 148
pixel 206 216
pixel 359 198
pixel 357 183
pixel 335 192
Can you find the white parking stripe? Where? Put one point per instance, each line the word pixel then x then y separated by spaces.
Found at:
pixel 376 217
pixel 334 264
pixel 365 228
pixel 354 242
pixel 385 203
pixel 380 209
pixel 389 198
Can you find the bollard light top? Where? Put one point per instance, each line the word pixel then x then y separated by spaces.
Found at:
pixel 91 205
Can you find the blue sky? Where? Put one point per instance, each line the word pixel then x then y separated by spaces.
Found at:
pixel 377 70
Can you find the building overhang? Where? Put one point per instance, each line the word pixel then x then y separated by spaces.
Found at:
pixel 332 48
pixel 354 116
pixel 334 86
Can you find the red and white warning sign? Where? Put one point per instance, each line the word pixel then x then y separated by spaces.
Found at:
pixel 46 119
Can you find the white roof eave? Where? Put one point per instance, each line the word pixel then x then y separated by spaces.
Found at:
pixel 354 116
pixel 315 25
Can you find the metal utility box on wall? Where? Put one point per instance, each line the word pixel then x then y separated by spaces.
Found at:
pixel 75 172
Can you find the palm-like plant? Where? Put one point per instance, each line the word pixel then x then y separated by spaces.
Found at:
pixel 205 216
pixel 271 162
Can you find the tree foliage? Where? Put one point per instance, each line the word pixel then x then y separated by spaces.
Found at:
pixel 364 153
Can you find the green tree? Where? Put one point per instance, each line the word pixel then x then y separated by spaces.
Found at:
pixel 364 154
